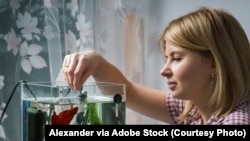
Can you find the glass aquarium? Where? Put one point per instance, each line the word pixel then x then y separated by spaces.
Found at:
pixel 97 103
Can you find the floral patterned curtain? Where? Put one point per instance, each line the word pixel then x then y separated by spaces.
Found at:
pixel 36 35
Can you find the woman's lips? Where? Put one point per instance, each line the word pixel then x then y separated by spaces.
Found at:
pixel 171 85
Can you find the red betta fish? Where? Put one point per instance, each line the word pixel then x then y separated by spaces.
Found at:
pixel 64 117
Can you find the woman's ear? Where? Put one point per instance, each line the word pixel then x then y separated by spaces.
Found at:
pixel 212 62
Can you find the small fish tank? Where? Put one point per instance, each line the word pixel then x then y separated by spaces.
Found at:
pixel 43 103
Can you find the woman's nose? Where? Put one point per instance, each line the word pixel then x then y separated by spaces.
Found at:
pixel 166 71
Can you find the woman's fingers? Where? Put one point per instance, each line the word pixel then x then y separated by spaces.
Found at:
pixel 74 68
pixel 79 71
pixel 70 62
pixel 78 67
pixel 66 63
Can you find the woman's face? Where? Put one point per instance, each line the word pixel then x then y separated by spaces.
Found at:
pixel 188 73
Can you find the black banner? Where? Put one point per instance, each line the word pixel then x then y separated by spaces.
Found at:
pixel 172 132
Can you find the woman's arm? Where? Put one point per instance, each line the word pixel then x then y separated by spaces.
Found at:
pixel 147 101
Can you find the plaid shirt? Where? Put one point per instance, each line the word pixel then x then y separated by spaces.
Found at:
pixel 240 116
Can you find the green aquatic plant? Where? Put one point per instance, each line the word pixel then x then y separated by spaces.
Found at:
pixel 90 116
pixel 93 116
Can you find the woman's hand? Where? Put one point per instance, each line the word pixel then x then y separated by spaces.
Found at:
pixel 78 67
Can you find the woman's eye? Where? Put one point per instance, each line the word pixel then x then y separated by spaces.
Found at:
pixel 172 59
pixel 177 59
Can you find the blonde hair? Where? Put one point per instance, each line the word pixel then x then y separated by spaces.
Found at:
pixel 217 32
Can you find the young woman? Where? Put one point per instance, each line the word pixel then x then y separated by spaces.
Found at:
pixel 207 70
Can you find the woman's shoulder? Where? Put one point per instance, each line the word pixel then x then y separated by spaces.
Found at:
pixel 240 116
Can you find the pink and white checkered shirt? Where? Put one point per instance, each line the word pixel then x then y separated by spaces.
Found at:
pixel 240 116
